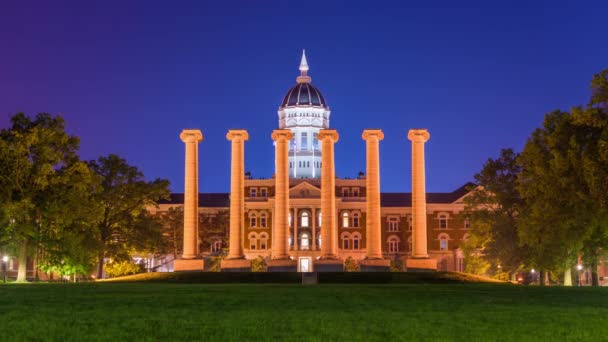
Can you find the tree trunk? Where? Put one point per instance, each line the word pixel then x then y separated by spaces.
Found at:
pixel 541 278
pixel 595 280
pixel 513 277
pixel 568 276
pixel 22 272
pixel 100 265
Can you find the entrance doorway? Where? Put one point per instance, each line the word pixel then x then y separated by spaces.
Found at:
pixel 304 264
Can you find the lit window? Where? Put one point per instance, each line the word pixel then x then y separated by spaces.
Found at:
pixel 304 219
pixel 216 246
pixel 289 219
pixel 443 221
pixel 319 219
pixel 345 220
pixel 393 224
pixel 253 192
pixel 356 220
pixel 443 242
pixel 304 241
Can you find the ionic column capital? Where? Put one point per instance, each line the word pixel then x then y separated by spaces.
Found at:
pixel 418 135
pixel 331 134
pixel 372 134
pixel 237 134
pixel 191 135
pixel 282 135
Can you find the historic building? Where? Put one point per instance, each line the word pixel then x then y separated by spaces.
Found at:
pixel 303 217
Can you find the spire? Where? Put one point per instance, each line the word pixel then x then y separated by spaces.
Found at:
pixel 303 78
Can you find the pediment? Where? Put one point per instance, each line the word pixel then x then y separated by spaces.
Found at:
pixel 304 190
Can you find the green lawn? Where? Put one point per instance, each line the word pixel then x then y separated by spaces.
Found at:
pixel 254 312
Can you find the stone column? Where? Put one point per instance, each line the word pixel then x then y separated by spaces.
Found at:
pixel 419 240
pixel 314 229
pixel 280 241
pixel 191 137
pixel 328 138
pixel 372 138
pixel 237 192
pixel 295 229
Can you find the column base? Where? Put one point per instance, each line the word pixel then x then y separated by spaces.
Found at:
pixel 328 265
pixel 421 265
pixel 375 265
pixel 236 265
pixel 188 265
pixel 282 265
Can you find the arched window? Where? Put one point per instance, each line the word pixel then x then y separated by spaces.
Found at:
pixel 263 220
pixel 393 244
pixel 345 241
pixel 345 220
pixel 305 221
pixel 263 241
pixel 356 241
pixel 443 242
pixel 356 220
pixel 410 223
pixel 443 221
pixel 253 241
pixel 253 220
pixel 304 241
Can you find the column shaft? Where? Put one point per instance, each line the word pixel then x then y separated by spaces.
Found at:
pixel 372 182
pixel 281 233
pixel 419 241
pixel 328 194
pixel 237 192
pixel 191 138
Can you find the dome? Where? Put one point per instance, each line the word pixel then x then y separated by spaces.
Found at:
pixel 303 94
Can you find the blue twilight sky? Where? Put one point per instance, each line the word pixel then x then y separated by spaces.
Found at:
pixel 129 75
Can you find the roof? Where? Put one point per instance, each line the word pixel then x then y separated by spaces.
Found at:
pixel 303 94
pixel 387 199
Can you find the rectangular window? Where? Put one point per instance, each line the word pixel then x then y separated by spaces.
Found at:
pixel 315 141
pixel 263 192
pixel 355 192
pixel 253 192
pixel 393 224
pixel 304 141
pixel 467 224
pixel 345 192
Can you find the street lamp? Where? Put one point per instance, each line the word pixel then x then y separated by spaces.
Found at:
pixel 579 268
pixel 4 261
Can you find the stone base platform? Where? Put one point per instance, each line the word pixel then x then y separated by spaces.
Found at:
pixel 375 265
pixel 236 265
pixel 328 265
pixel 188 265
pixel 421 265
pixel 282 265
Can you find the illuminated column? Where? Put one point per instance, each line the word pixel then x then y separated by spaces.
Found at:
pixel 237 192
pixel 372 138
pixel 419 241
pixel 295 229
pixel 328 138
pixel 280 243
pixel 191 137
pixel 314 229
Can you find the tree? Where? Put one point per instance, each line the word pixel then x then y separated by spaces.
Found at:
pixel 37 163
pixel 173 222
pixel 123 197
pixel 494 206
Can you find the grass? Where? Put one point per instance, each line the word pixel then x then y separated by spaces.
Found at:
pixel 290 312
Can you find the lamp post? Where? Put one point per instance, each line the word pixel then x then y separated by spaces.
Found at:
pixel 4 261
pixel 579 268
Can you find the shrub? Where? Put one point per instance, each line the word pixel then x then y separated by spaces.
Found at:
pixel 259 264
pixel 396 266
pixel 123 268
pixel 350 265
